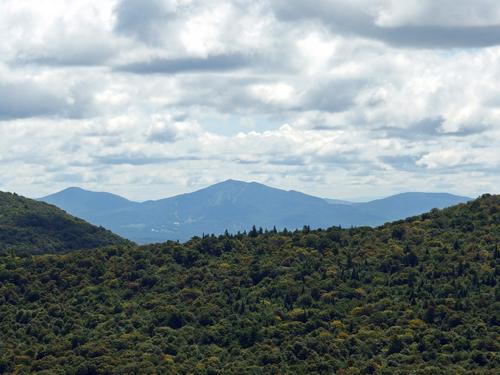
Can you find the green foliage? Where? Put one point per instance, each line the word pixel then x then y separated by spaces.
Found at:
pixel 418 296
pixel 32 227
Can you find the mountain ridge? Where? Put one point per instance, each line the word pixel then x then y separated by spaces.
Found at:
pixel 234 206
pixel 33 227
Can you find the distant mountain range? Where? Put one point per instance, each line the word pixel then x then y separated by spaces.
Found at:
pixel 236 206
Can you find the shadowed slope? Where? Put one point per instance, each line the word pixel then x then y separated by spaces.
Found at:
pixel 29 226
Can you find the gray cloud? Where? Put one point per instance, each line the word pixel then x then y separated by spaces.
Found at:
pixel 430 128
pixel 73 56
pixel 401 162
pixel 139 159
pixel 353 19
pixel 332 95
pixel 27 99
pixel 438 36
pixel 216 63
pixel 162 135
pixel 424 129
pixel 245 161
pixel 23 100
pixel 142 19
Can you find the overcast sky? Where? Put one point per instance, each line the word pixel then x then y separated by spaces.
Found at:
pixel 339 98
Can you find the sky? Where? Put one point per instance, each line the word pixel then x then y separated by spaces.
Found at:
pixel 348 99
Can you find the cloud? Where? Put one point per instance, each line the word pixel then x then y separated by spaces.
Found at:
pixel 28 98
pixel 401 162
pixel 140 159
pixel 339 98
pixel 443 158
pixel 21 100
pixel 171 129
pixel 423 129
pixel 293 160
pixel 91 51
pixel 332 95
pixel 390 22
pixel 68 34
pixel 439 13
pixel 217 63
pixel 439 36
pixel 143 20
pixel 162 134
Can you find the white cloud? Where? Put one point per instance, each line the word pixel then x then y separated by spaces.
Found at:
pixel 273 93
pixel 337 98
pixel 443 158
pixel 73 33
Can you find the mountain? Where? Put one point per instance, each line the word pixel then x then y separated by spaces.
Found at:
pixel 29 226
pixel 234 206
pixel 417 296
pixel 338 201
pixel 230 205
pixel 403 205
pixel 237 206
pixel 77 199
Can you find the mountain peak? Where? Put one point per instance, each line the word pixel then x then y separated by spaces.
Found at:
pixel 79 201
pixel 74 189
pixel 234 182
pixel 231 183
pixel 71 191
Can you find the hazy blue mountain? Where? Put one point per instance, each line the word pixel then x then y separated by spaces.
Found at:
pixel 77 199
pixel 235 206
pixel 338 201
pixel 99 208
pixel 402 205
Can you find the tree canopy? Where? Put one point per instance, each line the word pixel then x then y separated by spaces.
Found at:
pixel 31 227
pixel 416 296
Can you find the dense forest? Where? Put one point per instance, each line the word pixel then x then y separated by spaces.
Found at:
pixel 29 226
pixel 418 296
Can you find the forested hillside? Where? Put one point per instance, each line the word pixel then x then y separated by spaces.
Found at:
pixel 418 296
pixel 29 226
